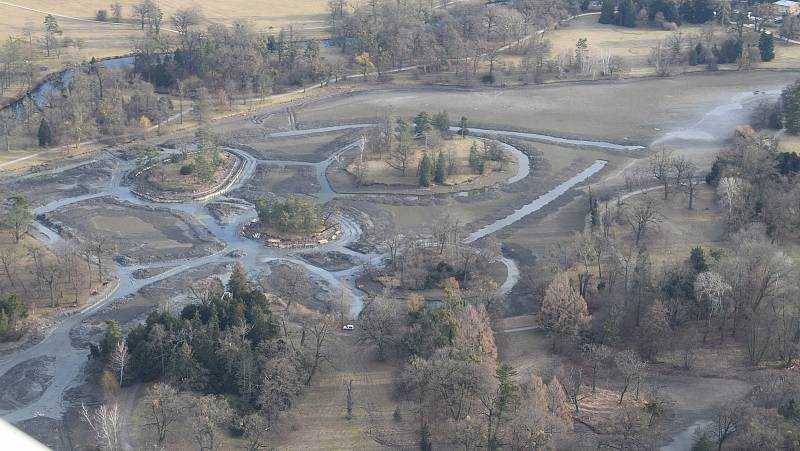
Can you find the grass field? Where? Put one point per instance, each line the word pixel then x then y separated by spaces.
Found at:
pixel 681 229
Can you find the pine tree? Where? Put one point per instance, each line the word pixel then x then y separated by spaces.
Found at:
pixel 464 131
pixel 237 284
pixel 45 136
pixel 790 101
pixel 422 123
pixel 441 121
pixel 474 157
pixel 766 46
pixel 425 169
pixel 626 14
pixel 607 13
pixel 112 337
pixel 440 172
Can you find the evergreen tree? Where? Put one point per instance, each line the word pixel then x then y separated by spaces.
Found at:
pixel 766 46
pixel 463 127
pixel 441 121
pixel 607 13
pixel 440 171
pixel 425 169
pixel 626 14
pixel 422 123
pixel 702 11
pixel 111 338
pixel 475 158
pixel 237 284
pixel 790 99
pixel 45 136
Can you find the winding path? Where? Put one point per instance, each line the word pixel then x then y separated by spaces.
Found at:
pixel 69 360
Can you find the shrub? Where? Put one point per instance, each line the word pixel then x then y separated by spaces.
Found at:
pixel 102 15
pixel 487 79
pixel 187 169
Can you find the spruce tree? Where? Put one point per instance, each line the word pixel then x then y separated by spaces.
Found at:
pixel 425 169
pixel 45 136
pixel 441 121
pixel 422 123
pixel 463 131
pixel 626 14
pixel 790 101
pixel 607 13
pixel 440 172
pixel 766 46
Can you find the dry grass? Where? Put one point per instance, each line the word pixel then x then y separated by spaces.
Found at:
pixel 379 172
pixel 317 420
pixel 789 143
pixel 681 229
pixel 633 44
pixel 25 283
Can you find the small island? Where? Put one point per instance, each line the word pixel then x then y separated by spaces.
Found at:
pixel 186 174
pixel 292 222
pixel 423 155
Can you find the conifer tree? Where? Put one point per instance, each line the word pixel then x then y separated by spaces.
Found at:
pixel 766 46
pixel 440 172
pixel 607 13
pixel 425 169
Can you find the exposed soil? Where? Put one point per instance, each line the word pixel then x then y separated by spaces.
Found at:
pixel 281 180
pixel 139 233
pixel 68 179
pixel 332 261
pixel 25 382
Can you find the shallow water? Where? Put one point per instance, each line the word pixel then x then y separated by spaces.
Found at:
pixel 537 203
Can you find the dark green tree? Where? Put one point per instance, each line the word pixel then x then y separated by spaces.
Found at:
pixel 111 338
pixel 766 46
pixel 441 122
pixel 607 13
pixel 790 99
pixel 626 14
pixel 463 130
pixel 237 284
pixel 422 123
pixel 425 170
pixel 440 170
pixel 45 135
pixel 702 11
pixel 697 260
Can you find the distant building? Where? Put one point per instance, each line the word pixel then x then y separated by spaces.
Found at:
pixel 787 7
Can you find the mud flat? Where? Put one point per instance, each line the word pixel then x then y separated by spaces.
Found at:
pixel 309 148
pixel 25 382
pixel 140 234
pixel 280 180
pixel 72 180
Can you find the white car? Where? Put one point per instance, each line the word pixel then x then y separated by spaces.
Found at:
pixel 348 327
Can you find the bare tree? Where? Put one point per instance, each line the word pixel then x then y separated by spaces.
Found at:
pixel 378 325
pixel 731 191
pixel 348 387
pixel 106 423
pixel 209 415
pixel 686 178
pixel 257 432
pixel 661 167
pixel 119 360
pixel 165 407
pixel 729 418
pixel 641 217
pixel 320 332
pixel 632 368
